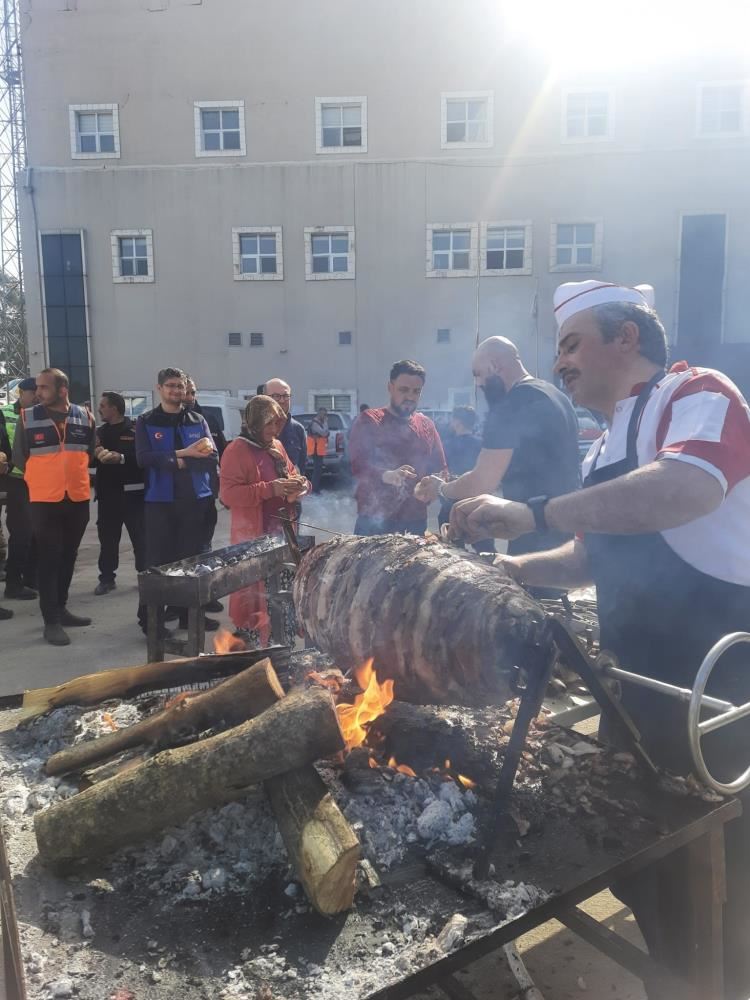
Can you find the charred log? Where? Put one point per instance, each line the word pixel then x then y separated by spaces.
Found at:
pixel 443 624
pixel 177 783
pixel 226 705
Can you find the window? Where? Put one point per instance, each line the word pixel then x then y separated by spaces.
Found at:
pixel 466 119
pixel 576 246
pixel 137 401
pixel 94 131
pixel 587 115
pixel 329 252
pixel 345 338
pixel 256 339
pixel 338 400
pixel 341 124
pixel 132 256
pixel 452 250
pixel 444 336
pixel 721 109
pixel 506 247
pixel 234 339
pixel 219 128
pixel 257 253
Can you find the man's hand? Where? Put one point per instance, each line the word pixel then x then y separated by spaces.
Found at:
pixel 195 450
pixel 488 516
pixel 110 458
pixel 509 565
pixel 428 489
pixel 3 463
pixel 402 476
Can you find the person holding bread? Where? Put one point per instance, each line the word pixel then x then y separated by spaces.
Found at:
pixel 259 484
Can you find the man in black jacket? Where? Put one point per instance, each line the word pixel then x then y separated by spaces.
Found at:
pixel 119 491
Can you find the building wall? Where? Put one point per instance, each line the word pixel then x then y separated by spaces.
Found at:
pixel 155 63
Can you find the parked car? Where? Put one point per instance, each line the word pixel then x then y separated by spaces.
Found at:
pixel 590 427
pixel 336 458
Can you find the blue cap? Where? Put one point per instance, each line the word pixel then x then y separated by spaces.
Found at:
pixel 27 385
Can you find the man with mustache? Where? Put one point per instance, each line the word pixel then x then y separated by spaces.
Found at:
pixel 391 448
pixel 662 528
pixel 529 443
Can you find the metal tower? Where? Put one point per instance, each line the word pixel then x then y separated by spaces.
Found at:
pixel 14 352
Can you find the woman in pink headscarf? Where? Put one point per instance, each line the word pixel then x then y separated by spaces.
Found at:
pixel 258 480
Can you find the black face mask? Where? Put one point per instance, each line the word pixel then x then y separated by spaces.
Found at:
pixel 494 390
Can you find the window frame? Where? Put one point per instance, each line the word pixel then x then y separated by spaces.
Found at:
pixel 198 107
pixel 351 393
pixel 743 88
pixel 237 232
pixel 577 92
pixel 74 110
pixel 473 268
pixel 320 103
pixel 349 274
pixel 467 95
pixel 528 249
pixel 597 247
pixel 132 279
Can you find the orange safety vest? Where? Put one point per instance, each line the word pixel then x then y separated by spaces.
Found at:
pixel 316 445
pixel 58 464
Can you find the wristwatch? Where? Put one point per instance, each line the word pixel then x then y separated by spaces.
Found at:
pixel 537 505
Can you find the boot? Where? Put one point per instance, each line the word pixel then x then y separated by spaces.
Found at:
pixel 56 635
pixel 73 621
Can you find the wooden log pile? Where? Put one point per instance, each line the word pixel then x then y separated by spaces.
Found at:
pixel 257 736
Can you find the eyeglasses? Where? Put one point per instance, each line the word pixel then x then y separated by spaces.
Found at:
pixel 278 396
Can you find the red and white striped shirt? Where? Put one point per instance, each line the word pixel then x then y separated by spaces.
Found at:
pixel 698 416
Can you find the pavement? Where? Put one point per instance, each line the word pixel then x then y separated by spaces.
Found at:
pixel 562 966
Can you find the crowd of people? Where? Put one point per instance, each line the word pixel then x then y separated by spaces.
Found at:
pixel 660 523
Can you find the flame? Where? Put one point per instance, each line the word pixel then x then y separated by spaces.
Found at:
pixel 225 642
pixel 372 763
pixel 402 768
pixel 367 707
pixel 466 782
pixel 109 721
pixel 332 683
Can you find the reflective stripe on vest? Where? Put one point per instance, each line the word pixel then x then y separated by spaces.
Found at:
pixel 58 465
pixel 11 423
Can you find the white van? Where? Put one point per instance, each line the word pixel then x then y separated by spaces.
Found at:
pixel 225 409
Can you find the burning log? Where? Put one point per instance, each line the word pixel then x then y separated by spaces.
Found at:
pixel 126 682
pixel 320 842
pixel 175 784
pixel 235 700
pixel 441 623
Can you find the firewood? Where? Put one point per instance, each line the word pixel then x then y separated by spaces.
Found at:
pixel 320 842
pixel 175 784
pixel 229 703
pixel 441 623
pixel 126 682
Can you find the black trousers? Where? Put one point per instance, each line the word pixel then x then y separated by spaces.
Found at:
pixel 115 510
pixel 212 517
pixel 176 530
pixel 58 529
pixel 20 569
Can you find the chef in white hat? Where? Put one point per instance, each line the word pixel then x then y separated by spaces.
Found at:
pixel 662 528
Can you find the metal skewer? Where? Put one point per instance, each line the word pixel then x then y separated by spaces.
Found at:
pixel 304 524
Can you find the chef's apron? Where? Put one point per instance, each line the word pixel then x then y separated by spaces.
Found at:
pixel 659 615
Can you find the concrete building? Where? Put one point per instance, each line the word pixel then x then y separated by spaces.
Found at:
pixel 314 190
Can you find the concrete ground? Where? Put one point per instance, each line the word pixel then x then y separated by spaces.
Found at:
pixel 562 966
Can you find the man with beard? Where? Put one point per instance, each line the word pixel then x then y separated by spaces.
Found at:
pixel 391 449
pixel 54 445
pixel 529 444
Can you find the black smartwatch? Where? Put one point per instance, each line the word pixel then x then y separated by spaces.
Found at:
pixel 537 505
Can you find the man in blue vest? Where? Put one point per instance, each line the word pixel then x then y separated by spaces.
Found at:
pixel 175 447
pixel 20 571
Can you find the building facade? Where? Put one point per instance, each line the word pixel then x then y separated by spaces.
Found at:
pixel 313 191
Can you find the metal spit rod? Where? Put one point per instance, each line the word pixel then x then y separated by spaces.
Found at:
pixel 681 694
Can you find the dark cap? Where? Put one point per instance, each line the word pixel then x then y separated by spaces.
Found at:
pixel 27 385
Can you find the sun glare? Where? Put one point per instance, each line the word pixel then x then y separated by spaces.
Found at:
pixel 588 34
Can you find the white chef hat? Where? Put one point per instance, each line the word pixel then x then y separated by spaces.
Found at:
pixel 575 296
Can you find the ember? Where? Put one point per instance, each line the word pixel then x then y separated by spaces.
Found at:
pixel 401 768
pixel 368 706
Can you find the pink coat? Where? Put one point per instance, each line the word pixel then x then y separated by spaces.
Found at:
pixel 246 476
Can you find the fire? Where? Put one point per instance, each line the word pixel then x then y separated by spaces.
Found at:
pixel 368 706
pixel 403 768
pixel 332 683
pixel 225 642
pixel 466 782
